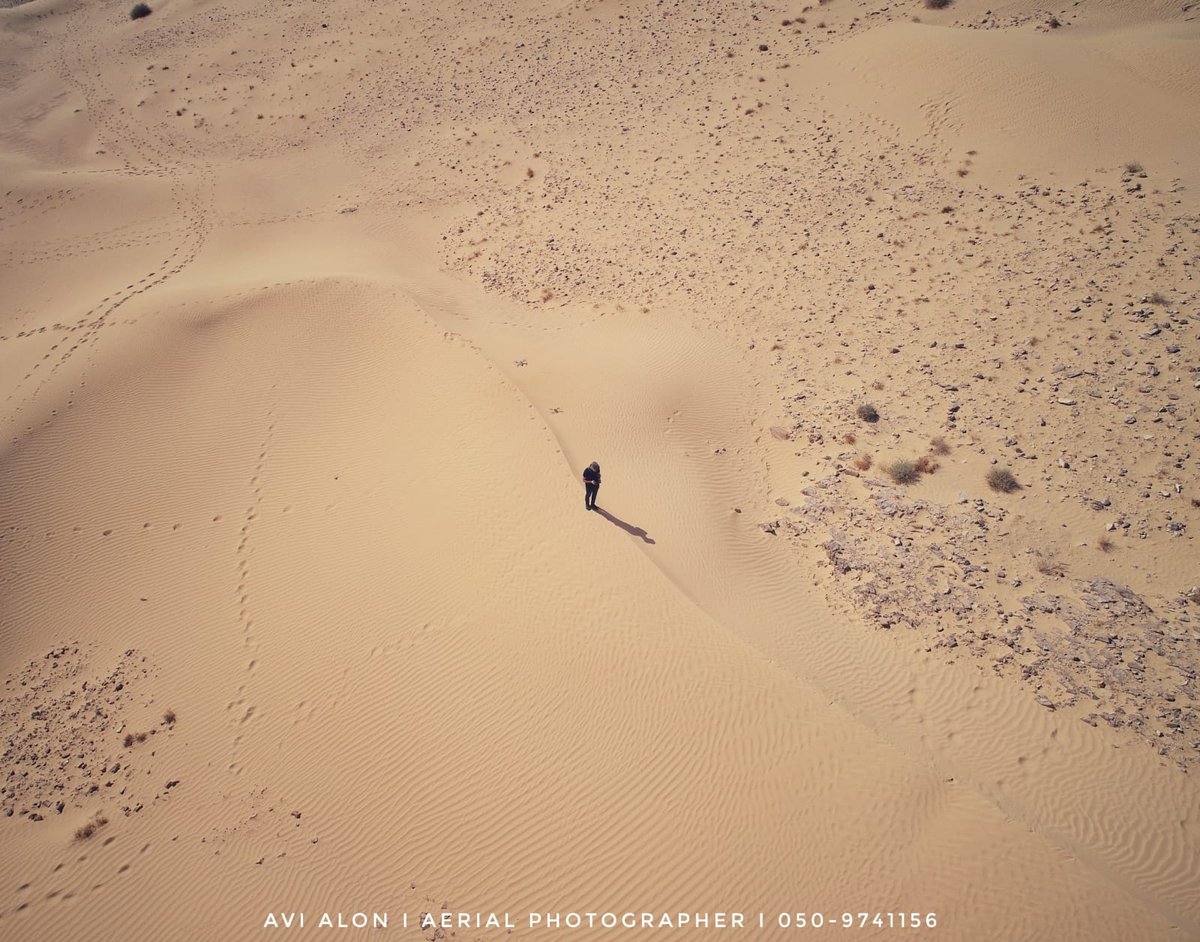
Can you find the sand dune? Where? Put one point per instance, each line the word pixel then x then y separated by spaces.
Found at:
pixel 313 316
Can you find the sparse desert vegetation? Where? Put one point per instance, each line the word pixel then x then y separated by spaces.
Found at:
pixel 863 462
pixel 87 830
pixel 169 718
pixel 867 412
pixel 1050 565
pixel 1002 480
pixel 903 471
pixel 938 446
pixel 937 4
pixel 139 11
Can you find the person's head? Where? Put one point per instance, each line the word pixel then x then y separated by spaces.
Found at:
pixel 595 466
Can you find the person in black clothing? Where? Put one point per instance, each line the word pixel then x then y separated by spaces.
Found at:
pixel 591 485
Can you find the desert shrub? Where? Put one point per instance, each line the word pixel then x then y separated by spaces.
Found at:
pixel 1002 480
pixel 1158 298
pixel 169 717
pixel 1134 167
pixel 903 471
pixel 1050 565
pixel 936 4
pixel 139 11
pixel 926 465
pixel 1104 544
pixel 867 412
pixel 938 445
pixel 863 462
pixel 849 438
pixel 83 833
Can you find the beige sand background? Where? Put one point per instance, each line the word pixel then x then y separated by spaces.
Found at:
pixel 312 314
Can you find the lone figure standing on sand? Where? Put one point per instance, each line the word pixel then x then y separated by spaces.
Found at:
pixel 591 485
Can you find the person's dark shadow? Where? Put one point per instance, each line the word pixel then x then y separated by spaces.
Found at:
pixel 627 527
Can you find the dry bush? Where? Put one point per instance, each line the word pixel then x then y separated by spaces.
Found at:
pixel 169 717
pixel 1002 480
pixel 926 464
pixel 936 4
pixel 1104 544
pixel 849 438
pixel 863 462
pixel 938 445
pixel 903 471
pixel 1134 167
pixel 547 294
pixel 139 11
pixel 877 385
pixel 83 833
pixel 1050 565
pixel 1159 298
pixel 867 412
pixel 131 738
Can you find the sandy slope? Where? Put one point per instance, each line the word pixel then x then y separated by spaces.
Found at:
pixel 313 314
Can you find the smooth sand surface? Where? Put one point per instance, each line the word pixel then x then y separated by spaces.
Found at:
pixel 313 315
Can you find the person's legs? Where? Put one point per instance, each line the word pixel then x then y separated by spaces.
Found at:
pixel 595 491
pixel 589 495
